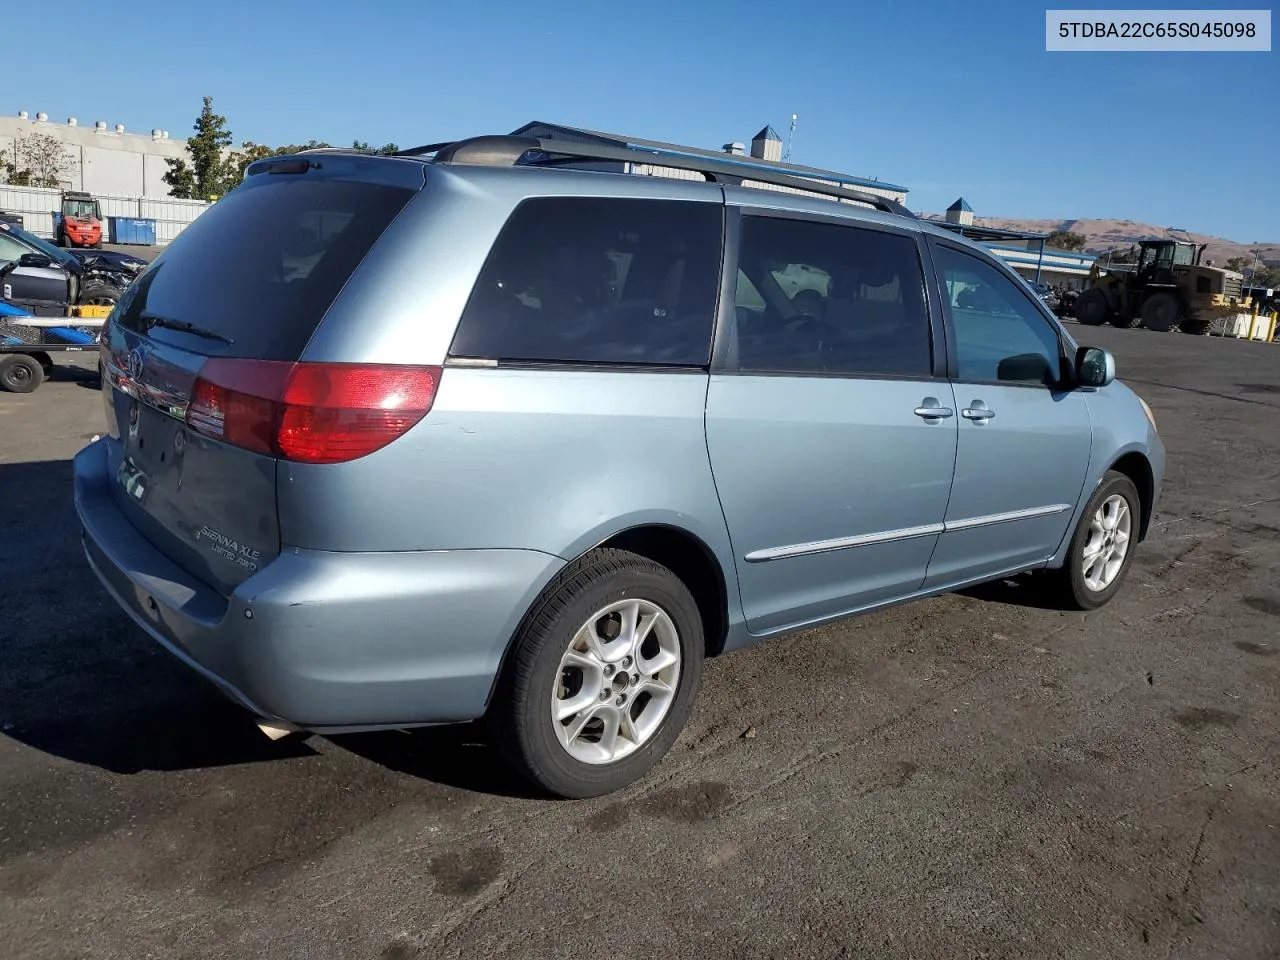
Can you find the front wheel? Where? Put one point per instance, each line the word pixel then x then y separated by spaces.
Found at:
pixel 1160 312
pixel 97 292
pixel 1102 546
pixel 602 678
pixel 1092 308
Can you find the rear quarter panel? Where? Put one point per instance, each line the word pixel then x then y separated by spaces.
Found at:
pixel 547 460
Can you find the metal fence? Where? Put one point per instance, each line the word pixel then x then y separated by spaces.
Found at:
pixel 38 204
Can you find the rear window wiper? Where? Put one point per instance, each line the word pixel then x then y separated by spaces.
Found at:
pixel 184 326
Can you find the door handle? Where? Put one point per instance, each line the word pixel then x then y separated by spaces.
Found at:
pixel 977 411
pixel 930 409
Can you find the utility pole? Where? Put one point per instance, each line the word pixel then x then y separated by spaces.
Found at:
pixel 791 136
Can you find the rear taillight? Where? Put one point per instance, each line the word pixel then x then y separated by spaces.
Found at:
pixel 309 412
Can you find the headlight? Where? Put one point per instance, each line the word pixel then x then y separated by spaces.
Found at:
pixel 1146 408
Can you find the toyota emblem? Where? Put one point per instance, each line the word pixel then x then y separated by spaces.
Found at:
pixel 135 363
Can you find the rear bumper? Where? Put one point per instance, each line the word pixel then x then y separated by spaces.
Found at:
pixel 323 640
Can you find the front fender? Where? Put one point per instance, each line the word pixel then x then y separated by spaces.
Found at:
pixel 1119 428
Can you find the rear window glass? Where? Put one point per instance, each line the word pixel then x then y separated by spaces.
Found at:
pixel 261 266
pixel 596 280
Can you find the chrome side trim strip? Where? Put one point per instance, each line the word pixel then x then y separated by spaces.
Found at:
pixel 842 543
pixel 905 533
pixel 992 518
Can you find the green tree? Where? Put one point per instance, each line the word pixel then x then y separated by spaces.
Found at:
pixel 39 160
pixel 209 174
pixel 385 148
pixel 1066 240
pixel 1239 264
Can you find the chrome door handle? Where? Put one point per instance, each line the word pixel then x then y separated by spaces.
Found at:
pixel 978 411
pixel 930 409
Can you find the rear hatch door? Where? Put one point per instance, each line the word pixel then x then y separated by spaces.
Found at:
pixel 249 280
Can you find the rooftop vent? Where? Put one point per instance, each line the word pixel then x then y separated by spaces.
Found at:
pixel 42 116
pixel 22 115
pixel 71 121
pixel 119 128
pixel 100 126
pixel 737 149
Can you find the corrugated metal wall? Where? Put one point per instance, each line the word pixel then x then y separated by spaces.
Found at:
pixel 37 206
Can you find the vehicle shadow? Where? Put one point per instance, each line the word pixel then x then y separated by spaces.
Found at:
pixel 453 756
pixel 1024 590
pixel 78 680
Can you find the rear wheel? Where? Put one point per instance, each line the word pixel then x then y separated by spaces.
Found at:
pixel 20 373
pixel 602 678
pixel 1160 312
pixel 1092 308
pixel 1102 546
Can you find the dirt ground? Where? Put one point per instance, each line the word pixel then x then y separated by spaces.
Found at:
pixel 972 776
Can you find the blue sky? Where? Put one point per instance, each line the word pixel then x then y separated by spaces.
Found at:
pixel 947 98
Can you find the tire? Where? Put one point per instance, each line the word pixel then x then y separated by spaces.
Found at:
pixel 1160 312
pixel 540 748
pixel 1124 323
pixel 100 292
pixel 20 373
pixel 1070 587
pixel 1092 308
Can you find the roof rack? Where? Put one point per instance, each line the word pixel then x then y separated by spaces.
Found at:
pixel 542 152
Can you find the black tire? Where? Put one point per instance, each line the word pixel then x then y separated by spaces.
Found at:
pixel 1092 308
pixel 1068 584
pixel 520 714
pixel 1160 312
pixel 20 373
pixel 99 292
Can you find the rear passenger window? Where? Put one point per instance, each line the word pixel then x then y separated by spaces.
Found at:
pixel 597 280
pixel 826 298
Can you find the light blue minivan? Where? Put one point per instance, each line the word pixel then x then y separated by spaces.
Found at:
pixel 471 432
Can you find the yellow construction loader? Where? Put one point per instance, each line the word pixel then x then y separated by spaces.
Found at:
pixel 1168 288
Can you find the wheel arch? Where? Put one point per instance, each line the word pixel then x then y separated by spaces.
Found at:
pixel 1135 465
pixel 686 554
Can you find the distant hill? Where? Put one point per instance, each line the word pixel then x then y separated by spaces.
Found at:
pixel 1103 235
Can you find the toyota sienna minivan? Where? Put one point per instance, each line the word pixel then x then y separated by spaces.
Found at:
pixel 473 433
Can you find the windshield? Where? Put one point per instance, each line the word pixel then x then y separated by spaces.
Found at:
pixel 44 246
pixel 80 209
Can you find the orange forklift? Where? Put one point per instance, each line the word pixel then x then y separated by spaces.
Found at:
pixel 80 222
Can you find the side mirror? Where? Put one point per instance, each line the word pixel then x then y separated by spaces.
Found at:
pixel 1095 367
pixel 1024 368
pixel 35 260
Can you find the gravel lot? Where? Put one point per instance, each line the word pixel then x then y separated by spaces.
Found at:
pixel 972 776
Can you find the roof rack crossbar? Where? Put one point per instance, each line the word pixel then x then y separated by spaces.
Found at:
pixel 529 151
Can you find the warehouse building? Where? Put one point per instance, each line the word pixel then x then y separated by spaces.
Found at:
pixel 765 154
pixel 103 159
pixel 1027 253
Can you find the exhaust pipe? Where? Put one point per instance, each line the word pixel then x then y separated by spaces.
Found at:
pixel 275 730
